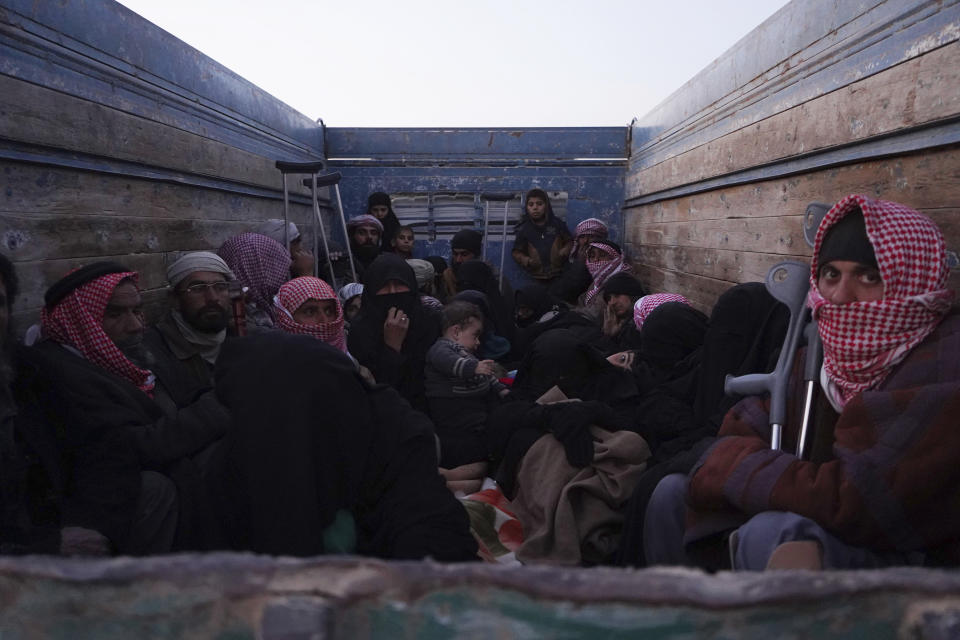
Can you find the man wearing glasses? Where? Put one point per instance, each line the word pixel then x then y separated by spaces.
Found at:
pixel 192 331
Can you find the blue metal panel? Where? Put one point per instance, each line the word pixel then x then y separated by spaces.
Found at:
pixel 105 53
pixel 807 49
pixel 593 191
pixel 478 144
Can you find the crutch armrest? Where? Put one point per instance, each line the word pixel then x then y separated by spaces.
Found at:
pixel 325 180
pixel 749 385
pixel 301 167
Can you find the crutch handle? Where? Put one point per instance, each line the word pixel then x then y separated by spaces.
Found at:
pixel 301 167
pixel 325 180
pixel 750 384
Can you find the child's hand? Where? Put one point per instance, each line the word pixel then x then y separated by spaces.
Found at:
pixel 485 368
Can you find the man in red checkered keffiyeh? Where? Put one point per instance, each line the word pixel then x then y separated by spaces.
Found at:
pixel 74 317
pixel 886 491
pixel 590 230
pixel 865 339
pixel 603 261
pixel 309 306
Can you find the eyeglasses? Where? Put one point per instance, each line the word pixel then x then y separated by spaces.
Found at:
pixel 201 288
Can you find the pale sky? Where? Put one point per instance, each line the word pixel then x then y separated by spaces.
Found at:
pixel 452 63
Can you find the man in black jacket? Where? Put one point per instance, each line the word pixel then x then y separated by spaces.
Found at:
pixel 68 486
pixel 91 321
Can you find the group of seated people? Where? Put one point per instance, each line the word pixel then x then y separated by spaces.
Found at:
pixel 273 411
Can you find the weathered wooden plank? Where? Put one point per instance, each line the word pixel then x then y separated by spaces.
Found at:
pixel 701 291
pixel 36 237
pixel 37 115
pixel 29 188
pixel 921 90
pixel 719 264
pixel 36 276
pixel 781 235
pixel 924 181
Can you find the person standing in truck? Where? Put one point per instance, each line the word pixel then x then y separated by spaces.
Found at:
pixel 380 207
pixel 543 242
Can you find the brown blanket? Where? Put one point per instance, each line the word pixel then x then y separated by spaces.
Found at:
pixel 572 516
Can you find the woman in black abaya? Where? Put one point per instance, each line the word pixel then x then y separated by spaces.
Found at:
pixel 394 331
pixel 317 462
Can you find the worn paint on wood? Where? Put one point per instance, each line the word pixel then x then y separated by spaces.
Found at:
pixel 926 89
pixel 729 235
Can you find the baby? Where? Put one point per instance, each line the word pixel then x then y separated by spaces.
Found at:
pixel 460 388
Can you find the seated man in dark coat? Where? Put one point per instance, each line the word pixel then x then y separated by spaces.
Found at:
pixel 185 342
pixel 66 486
pixel 92 316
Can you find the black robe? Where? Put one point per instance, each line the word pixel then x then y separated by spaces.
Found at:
pixel 311 440
pixel 403 370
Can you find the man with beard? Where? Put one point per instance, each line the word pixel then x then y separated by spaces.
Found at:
pixel 67 485
pixel 365 232
pixel 185 342
pixel 93 327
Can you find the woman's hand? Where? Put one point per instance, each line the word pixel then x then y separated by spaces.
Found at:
pixel 395 328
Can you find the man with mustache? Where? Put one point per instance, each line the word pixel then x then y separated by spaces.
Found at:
pixel 187 339
pixel 92 353
pixel 365 232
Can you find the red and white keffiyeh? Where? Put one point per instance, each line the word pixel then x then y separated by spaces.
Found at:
pixel 260 263
pixel 610 262
pixel 591 227
pixel 76 321
pixel 864 341
pixel 646 304
pixel 293 294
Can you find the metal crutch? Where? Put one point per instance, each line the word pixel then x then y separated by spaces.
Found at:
pixel 812 218
pixel 788 282
pixel 331 179
pixel 286 168
pixel 497 197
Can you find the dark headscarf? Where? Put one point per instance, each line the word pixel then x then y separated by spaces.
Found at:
pixel 387 267
pixel 847 240
pixel 390 221
pixel 285 479
pixel 623 284
pixel 536 298
pixel 469 240
pixel 477 275
pixel 439 264
pixel 492 345
pixel 365 341
pixel 671 333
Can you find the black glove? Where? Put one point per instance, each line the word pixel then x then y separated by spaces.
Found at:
pixel 570 424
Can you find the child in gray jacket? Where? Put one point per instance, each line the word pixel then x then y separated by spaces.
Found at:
pixel 460 388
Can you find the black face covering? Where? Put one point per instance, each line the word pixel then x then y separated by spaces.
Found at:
pixel 389 267
pixel 381 304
